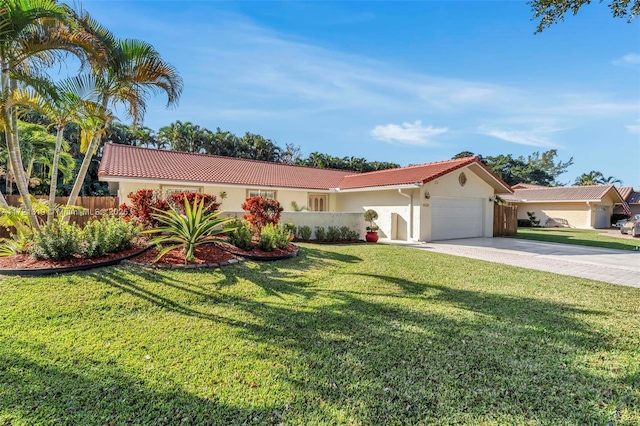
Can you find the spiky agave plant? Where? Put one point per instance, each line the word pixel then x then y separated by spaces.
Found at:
pixel 188 230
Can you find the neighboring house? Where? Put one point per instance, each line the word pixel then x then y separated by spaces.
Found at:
pixel 567 206
pixel 631 197
pixel 442 200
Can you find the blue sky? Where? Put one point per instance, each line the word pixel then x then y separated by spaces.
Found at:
pixel 407 82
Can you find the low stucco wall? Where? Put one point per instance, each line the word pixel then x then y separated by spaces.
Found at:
pixel 353 220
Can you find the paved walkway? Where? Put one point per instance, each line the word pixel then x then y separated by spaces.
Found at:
pixel 613 266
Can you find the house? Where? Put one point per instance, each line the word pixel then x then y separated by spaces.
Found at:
pixel 434 201
pixel 631 197
pixel 566 206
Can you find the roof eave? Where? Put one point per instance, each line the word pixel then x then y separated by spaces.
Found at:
pixel 381 187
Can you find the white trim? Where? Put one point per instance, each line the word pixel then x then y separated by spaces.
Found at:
pixel 167 182
pixel 381 188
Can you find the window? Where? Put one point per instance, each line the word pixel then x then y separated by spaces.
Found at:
pixel 168 190
pixel 318 202
pixel 262 193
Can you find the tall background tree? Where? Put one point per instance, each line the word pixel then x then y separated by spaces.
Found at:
pixel 549 12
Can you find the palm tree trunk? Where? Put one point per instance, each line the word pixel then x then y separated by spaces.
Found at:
pixel 13 148
pixel 54 174
pixel 86 161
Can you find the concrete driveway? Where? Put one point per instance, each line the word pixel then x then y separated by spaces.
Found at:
pixel 613 266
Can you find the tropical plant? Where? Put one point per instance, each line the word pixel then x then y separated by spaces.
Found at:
pixel 110 234
pixel 176 200
pixel 274 236
pixel 369 216
pixel 188 230
pixel 143 203
pixel 321 233
pixel 240 236
pixel 56 241
pixel 261 211
pixel 31 34
pixel 133 71
pixel 304 233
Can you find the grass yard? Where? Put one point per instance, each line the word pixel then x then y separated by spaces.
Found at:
pixel 349 334
pixel 582 237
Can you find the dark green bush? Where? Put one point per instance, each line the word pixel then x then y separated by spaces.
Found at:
pixel 352 235
pixel 321 234
pixel 241 236
pixel 333 234
pixel 524 223
pixel 304 233
pixel 108 235
pixel 56 241
pixel 344 233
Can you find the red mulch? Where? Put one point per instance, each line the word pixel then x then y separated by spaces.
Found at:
pixel 255 251
pixel 25 261
pixel 203 254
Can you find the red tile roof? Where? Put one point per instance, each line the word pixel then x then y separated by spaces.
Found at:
pixel 143 163
pixel 563 193
pixel 422 173
pixel 625 191
pixel 526 186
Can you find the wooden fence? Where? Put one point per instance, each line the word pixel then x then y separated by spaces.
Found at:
pixel 505 220
pixel 95 207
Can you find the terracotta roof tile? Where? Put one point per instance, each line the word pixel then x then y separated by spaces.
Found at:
pixel 143 163
pixel 563 193
pixel 625 191
pixel 422 173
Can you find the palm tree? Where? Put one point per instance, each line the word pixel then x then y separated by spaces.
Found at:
pixel 134 70
pixel 592 178
pixel 33 33
pixel 611 180
pixel 69 102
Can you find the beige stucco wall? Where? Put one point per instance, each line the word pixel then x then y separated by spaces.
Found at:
pixel 449 186
pixel 236 195
pixel 393 210
pixel 580 214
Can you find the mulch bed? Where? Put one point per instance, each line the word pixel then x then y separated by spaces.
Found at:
pixel 208 255
pixel 25 261
pixel 204 255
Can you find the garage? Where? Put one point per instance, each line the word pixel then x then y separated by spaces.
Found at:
pixel 602 218
pixel 456 218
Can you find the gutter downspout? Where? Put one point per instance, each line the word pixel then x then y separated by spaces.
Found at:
pixel 410 224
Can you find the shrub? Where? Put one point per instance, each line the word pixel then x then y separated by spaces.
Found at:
pixel 321 234
pixel 369 216
pixel 524 223
pixel 304 233
pixel 344 233
pixel 188 230
pixel 352 235
pixel 261 211
pixel 532 218
pixel 273 236
pixel 268 238
pixel 240 235
pixel 144 203
pixel 56 241
pixel 176 201
pixel 333 234
pixel 108 235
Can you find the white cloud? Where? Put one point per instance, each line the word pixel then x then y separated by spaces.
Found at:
pixel 628 59
pixel 407 133
pixel 538 137
pixel 634 129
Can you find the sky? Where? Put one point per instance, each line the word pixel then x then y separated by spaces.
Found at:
pixel 405 82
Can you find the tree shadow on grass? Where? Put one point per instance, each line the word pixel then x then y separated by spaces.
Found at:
pixel 80 394
pixel 509 358
pixel 431 353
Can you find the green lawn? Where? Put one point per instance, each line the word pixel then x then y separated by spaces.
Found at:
pixel 349 334
pixel 582 237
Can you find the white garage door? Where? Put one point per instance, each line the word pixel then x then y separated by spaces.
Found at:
pixel 602 218
pixel 456 218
